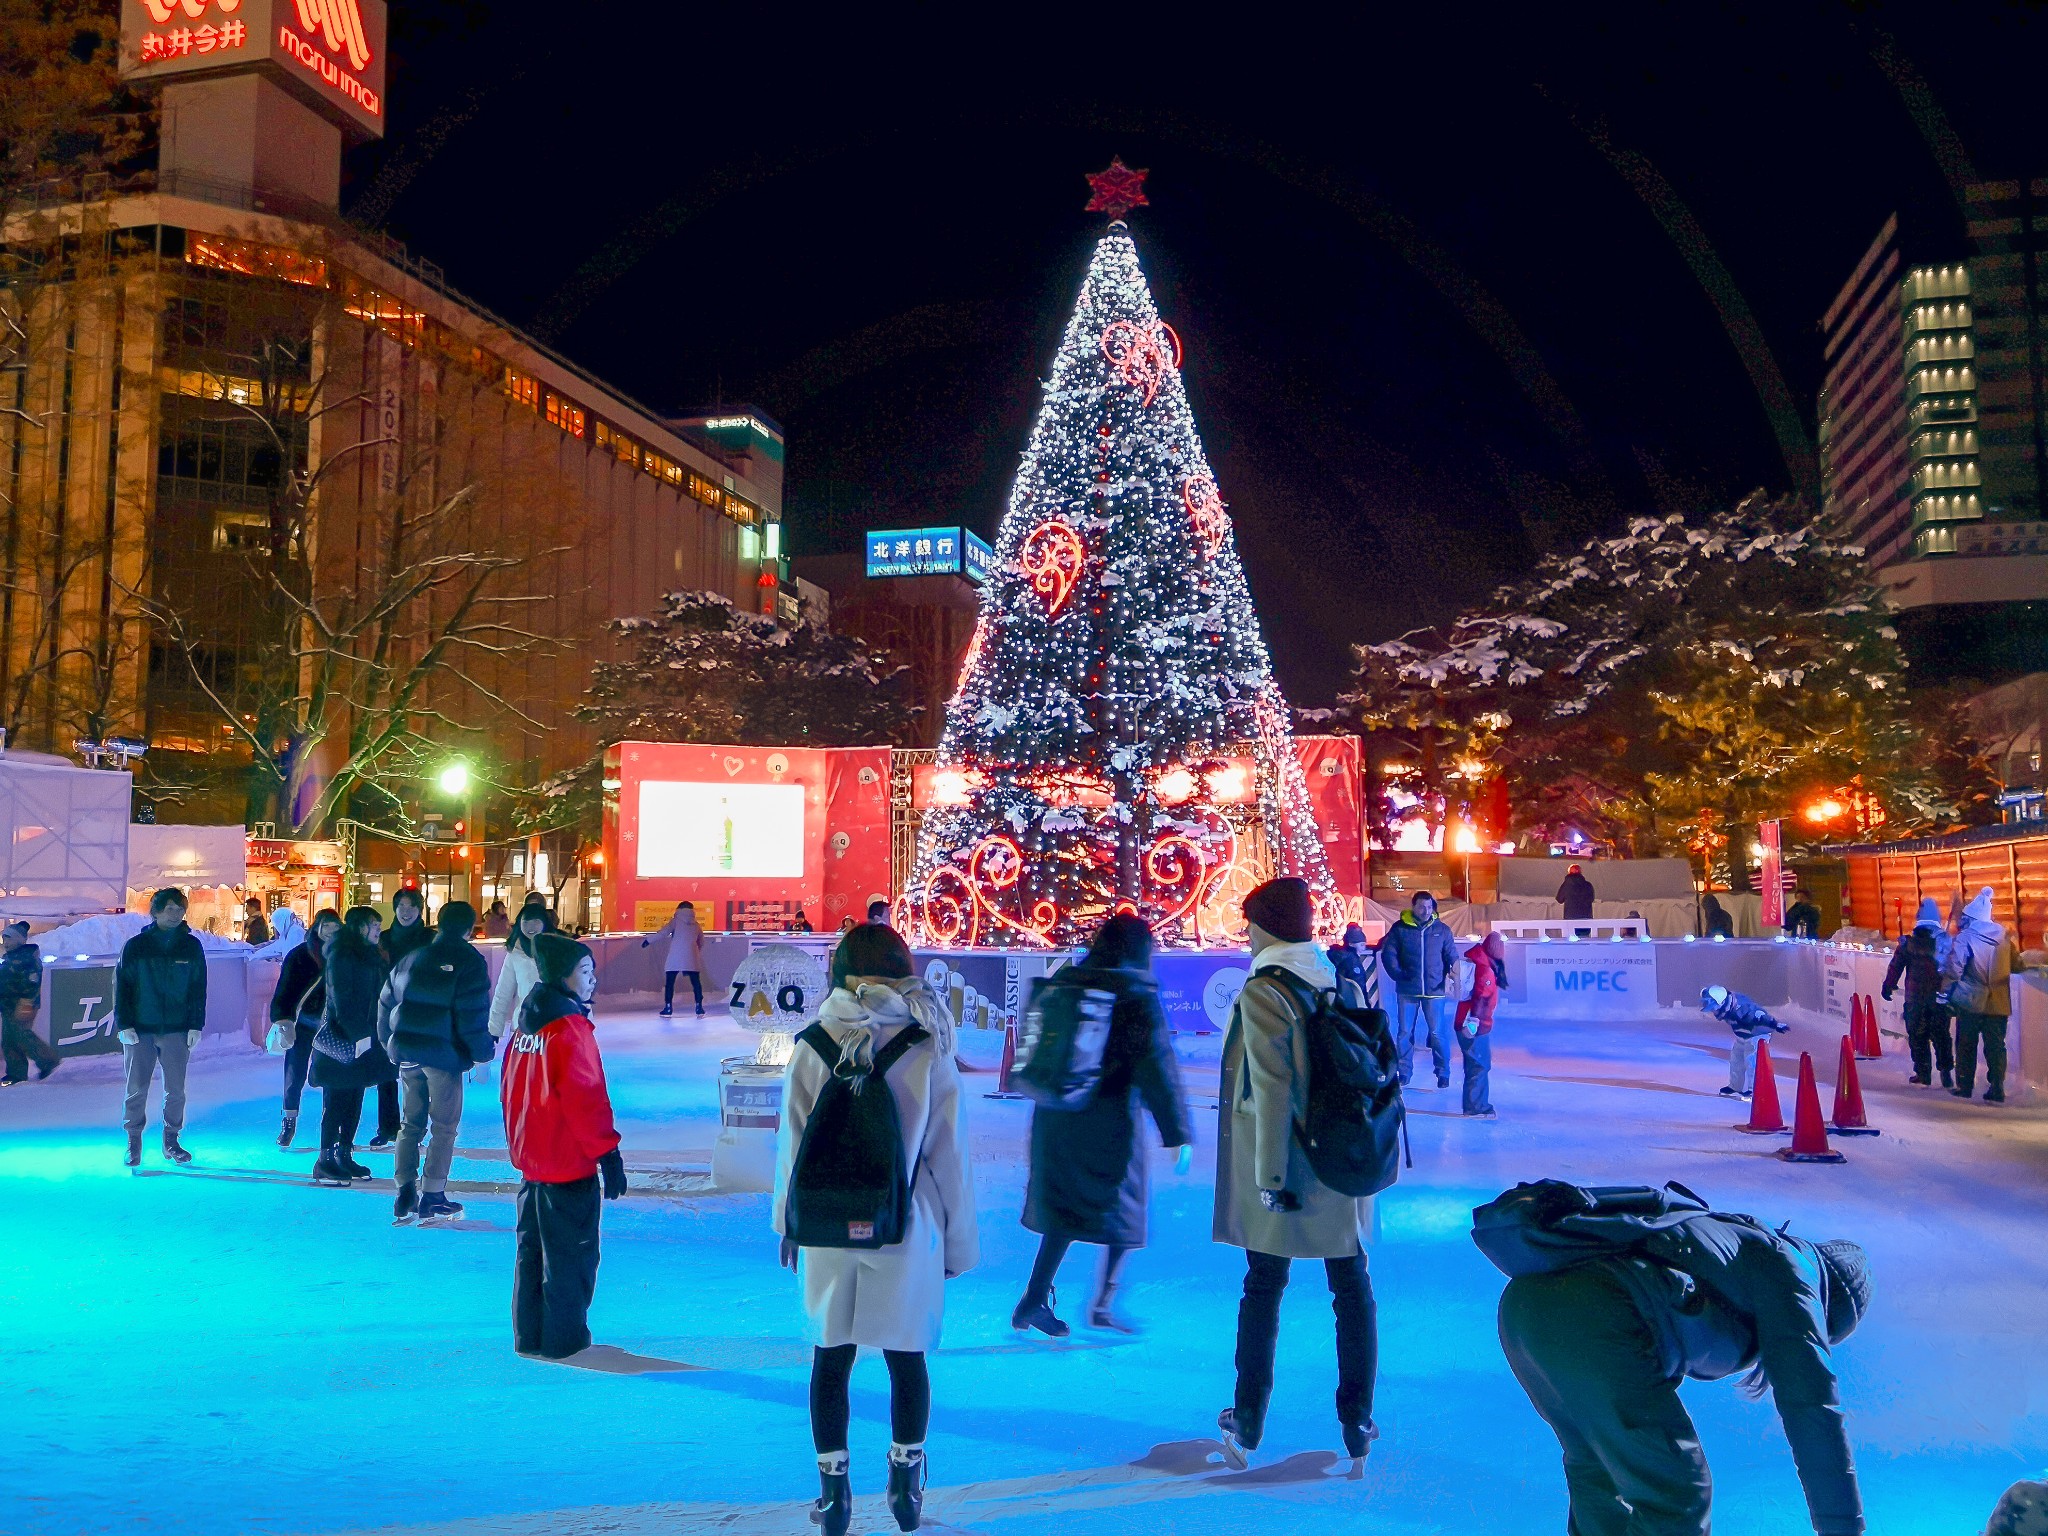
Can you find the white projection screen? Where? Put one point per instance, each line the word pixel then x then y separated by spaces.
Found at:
pixel 712 831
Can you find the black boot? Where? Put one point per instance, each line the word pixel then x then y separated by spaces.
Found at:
pixel 1039 1315
pixel 1358 1439
pixel 328 1168
pixel 346 1156
pixel 289 1129
pixel 172 1151
pixel 906 1490
pixel 407 1205
pixel 134 1157
pixel 1102 1313
pixel 833 1512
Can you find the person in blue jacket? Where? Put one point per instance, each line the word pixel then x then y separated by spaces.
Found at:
pixel 1420 957
pixel 1751 1022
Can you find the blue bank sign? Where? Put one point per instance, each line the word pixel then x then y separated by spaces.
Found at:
pixel 1617 980
pixel 928 552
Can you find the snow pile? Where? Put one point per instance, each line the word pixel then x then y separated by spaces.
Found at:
pixel 102 937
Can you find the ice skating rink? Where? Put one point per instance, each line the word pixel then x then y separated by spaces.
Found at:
pixel 224 1348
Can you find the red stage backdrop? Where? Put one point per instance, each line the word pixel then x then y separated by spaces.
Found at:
pixel 856 831
pixel 1331 764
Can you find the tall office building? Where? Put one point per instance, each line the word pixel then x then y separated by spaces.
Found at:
pixel 2009 230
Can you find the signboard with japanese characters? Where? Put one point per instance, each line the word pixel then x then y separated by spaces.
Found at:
pixel 329 53
pixel 928 552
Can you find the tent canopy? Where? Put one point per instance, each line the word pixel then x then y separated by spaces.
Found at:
pixel 63 837
pixel 182 856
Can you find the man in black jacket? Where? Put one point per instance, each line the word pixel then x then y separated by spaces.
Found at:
pixel 434 1022
pixel 1601 1346
pixel 408 932
pixel 21 997
pixel 160 1010
pixel 1802 918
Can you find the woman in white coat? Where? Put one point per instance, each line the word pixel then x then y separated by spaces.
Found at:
pixel 685 956
pixel 520 974
pixel 893 1298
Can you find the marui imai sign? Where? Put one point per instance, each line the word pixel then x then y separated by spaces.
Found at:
pixel 329 53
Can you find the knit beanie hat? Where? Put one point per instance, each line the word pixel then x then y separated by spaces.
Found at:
pixel 1929 915
pixel 555 956
pixel 1848 1286
pixel 1282 908
pixel 1353 934
pixel 1979 909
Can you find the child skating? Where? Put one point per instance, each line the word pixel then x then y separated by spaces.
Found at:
pixel 1751 1023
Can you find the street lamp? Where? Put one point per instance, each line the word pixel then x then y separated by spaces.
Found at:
pixel 454 779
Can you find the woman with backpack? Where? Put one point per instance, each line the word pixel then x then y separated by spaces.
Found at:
pixel 1089 1165
pixel 1269 1200
pixel 874 1205
pixel 1918 963
pixel 347 1061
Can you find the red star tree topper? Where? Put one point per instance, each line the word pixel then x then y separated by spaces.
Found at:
pixel 1117 190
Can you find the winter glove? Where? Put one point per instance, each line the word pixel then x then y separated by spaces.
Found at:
pixel 1886 994
pixel 1280 1202
pixel 786 1253
pixel 613 1167
pixel 130 1037
pixel 192 1037
pixel 1183 1158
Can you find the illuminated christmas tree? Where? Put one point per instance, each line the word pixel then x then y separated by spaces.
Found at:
pixel 1117 741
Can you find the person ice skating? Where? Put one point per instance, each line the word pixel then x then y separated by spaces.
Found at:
pixel 1601 1345
pixel 347 1060
pixel 520 973
pixel 1719 925
pixel 255 926
pixel 1269 1201
pixel 21 998
pixel 1576 895
pixel 560 1136
pixel 1474 1023
pixel 296 1006
pixel 406 932
pixel 1090 1167
pixel 1418 955
pixel 497 921
pixel 159 1014
pixel 685 957
pixel 889 1298
pixel 1802 918
pixel 1917 962
pixel 1979 970
pixel 1354 962
pixel 433 1021
pixel 1751 1023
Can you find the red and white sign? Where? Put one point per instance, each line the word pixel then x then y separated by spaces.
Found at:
pixel 329 53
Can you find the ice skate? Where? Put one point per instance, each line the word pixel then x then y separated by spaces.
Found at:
pixel 407 1205
pixel 1040 1316
pixel 436 1206
pixel 1236 1450
pixel 906 1488
pixel 380 1142
pixel 1104 1318
pixel 1488 1113
pixel 1948 1079
pixel 667 1012
pixel 1733 1093
pixel 288 1130
pixel 354 1169
pixel 134 1157
pixel 173 1152
pixel 45 1068
pixel 833 1512
pixel 328 1170
pixel 1358 1439
pixel 1920 1080
pixel 1994 1095
pixel 700 1010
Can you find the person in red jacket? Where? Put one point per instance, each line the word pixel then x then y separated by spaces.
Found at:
pixel 558 1127
pixel 1474 1025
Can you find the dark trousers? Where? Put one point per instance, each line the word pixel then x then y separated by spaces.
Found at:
pixel 1478 1053
pixel 910 1397
pixel 1258 1332
pixel 668 987
pixel 554 1269
pixel 1632 1459
pixel 1051 1250
pixel 21 1045
pixel 1927 1037
pixel 387 1111
pixel 341 1111
pixel 297 1061
pixel 1989 1028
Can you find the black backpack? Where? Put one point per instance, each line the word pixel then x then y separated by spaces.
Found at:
pixel 1535 1229
pixel 1355 1131
pixel 1060 1048
pixel 849 1186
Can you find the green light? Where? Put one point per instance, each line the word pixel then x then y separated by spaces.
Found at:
pixel 454 778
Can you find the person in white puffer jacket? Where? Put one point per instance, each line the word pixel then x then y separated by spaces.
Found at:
pixel 890 1298
pixel 520 974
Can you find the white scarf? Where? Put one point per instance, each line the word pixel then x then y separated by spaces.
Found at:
pixel 1304 960
pixel 868 1003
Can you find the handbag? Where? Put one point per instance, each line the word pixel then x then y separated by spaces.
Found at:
pixel 333 1043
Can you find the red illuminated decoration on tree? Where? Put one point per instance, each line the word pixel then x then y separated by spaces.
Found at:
pixel 1142 354
pixel 1117 190
pixel 1052 557
pixel 1205 512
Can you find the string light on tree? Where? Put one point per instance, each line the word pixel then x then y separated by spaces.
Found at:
pixel 1117 741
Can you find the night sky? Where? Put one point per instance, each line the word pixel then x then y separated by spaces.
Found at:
pixel 1454 289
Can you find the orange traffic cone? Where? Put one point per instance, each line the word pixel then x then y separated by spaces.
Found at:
pixel 1809 1132
pixel 1856 1023
pixel 1002 1088
pixel 1765 1117
pixel 1873 1047
pixel 1848 1118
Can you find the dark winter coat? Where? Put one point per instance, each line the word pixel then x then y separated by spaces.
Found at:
pixel 435 1010
pixel 1419 957
pixel 301 994
pixel 256 930
pixel 355 974
pixel 1089 1176
pixel 160 982
pixel 1917 962
pixel 21 976
pixel 1802 920
pixel 1745 1015
pixel 1577 896
pixel 1719 923
pixel 1355 968
pixel 395 943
